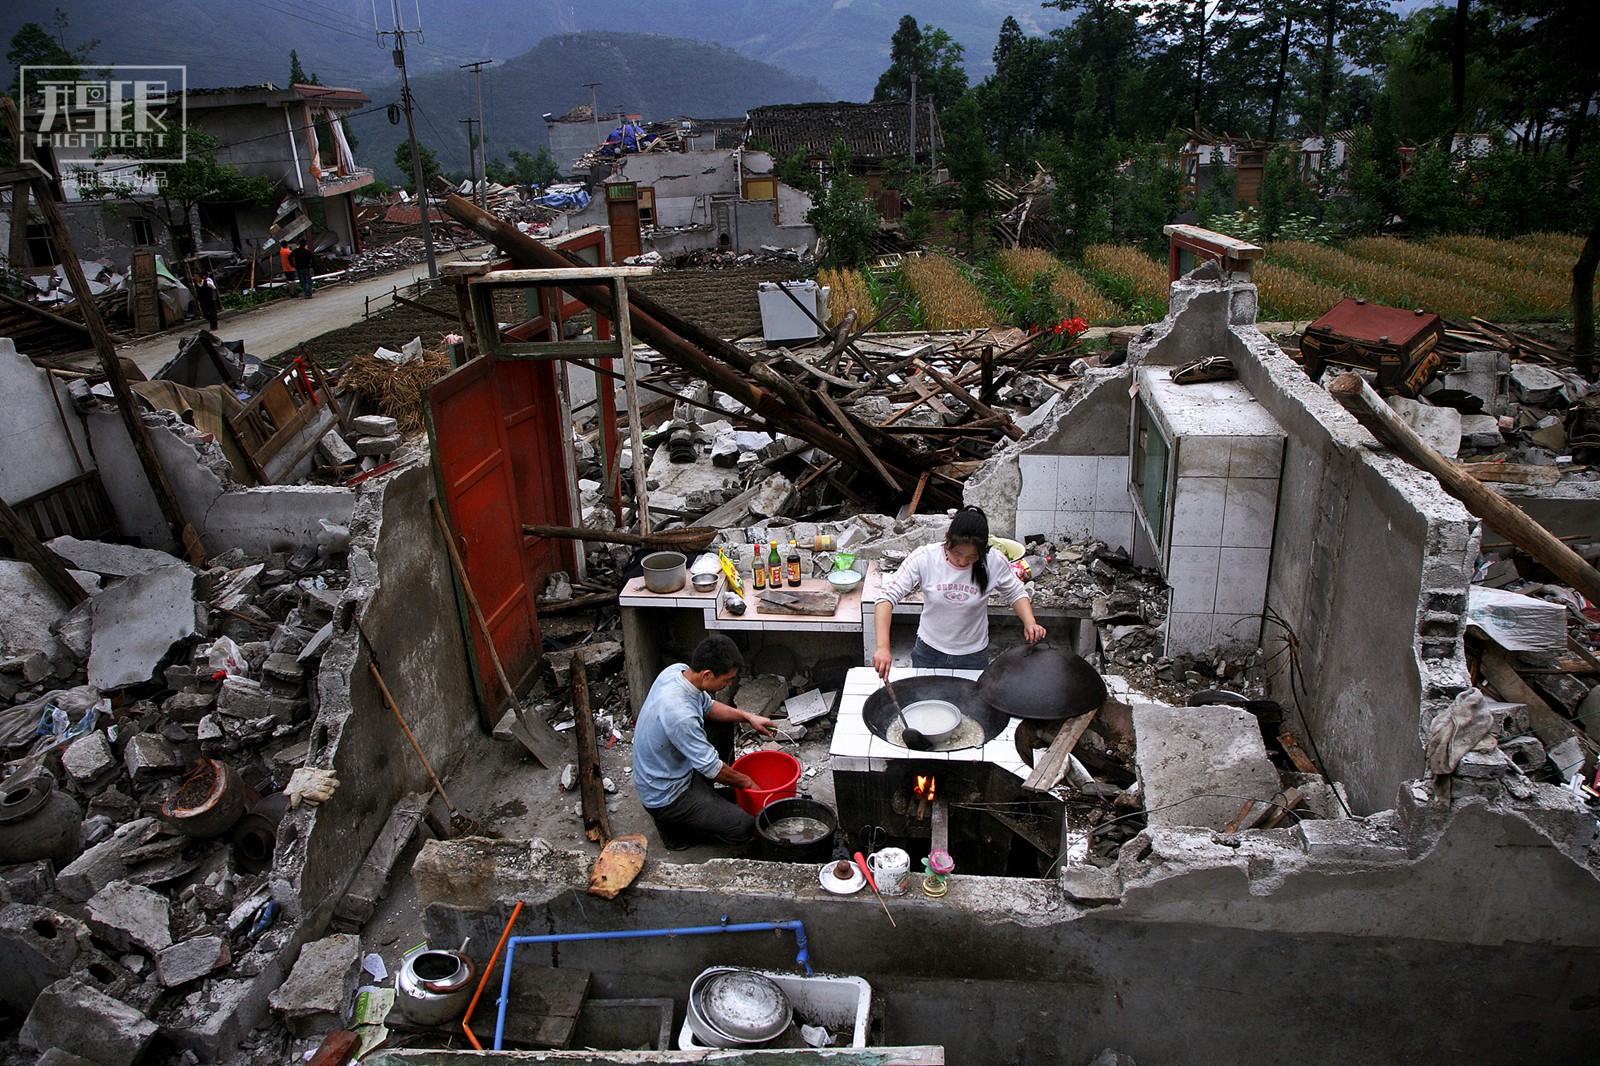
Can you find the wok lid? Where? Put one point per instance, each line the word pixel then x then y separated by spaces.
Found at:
pixel 1041 682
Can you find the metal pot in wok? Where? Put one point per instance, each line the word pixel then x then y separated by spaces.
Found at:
pixel 1041 682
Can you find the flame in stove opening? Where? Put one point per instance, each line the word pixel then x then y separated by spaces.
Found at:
pixel 933 783
pixel 925 786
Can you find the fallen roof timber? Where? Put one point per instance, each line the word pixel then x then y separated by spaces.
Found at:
pixel 784 405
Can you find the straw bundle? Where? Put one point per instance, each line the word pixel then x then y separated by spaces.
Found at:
pixel 399 390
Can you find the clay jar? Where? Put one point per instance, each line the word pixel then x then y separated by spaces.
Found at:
pixel 38 822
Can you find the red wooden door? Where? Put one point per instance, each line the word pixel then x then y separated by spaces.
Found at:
pixel 529 397
pixel 478 489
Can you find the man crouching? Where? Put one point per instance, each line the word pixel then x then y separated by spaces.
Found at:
pixel 682 743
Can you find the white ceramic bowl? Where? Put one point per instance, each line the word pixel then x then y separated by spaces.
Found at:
pixel 844 580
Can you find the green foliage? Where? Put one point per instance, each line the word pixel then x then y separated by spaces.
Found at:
pixel 930 54
pixel 969 160
pixel 1032 305
pixel 1084 170
pixel 1246 225
pixel 525 168
pixel 181 187
pixel 844 215
pixel 1146 196
pixel 797 172
pixel 34 46
pixel 430 165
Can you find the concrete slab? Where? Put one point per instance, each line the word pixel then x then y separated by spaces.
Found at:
pixel 314 997
pixel 82 1020
pixel 89 760
pixel 128 916
pixel 110 560
pixel 182 963
pixel 30 610
pixel 137 622
pixel 1199 764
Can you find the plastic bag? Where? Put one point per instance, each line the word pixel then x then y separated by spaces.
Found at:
pixel 226 659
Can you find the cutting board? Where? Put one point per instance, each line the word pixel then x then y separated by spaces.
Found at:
pixel 797 601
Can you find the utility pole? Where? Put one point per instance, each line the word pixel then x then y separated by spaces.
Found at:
pixel 483 131
pixel 411 131
pixel 594 107
pixel 472 158
pixel 913 120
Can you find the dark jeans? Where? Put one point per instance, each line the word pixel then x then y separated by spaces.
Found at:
pixel 924 657
pixel 305 280
pixel 700 813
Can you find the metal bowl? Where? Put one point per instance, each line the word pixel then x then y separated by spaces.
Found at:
pixel 737 1008
pixel 704 582
pixel 934 719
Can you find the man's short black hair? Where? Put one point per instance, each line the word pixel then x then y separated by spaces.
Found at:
pixel 716 653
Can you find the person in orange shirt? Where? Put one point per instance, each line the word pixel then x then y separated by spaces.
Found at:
pixel 284 258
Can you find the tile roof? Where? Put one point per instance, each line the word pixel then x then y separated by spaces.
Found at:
pixel 873 132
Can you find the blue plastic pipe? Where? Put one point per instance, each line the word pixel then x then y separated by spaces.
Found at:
pixel 803 957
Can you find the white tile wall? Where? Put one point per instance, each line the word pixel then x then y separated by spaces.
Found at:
pixel 1242 580
pixel 1076 479
pixel 1192 574
pixel 1111 484
pixel 1256 457
pixel 1236 630
pixel 1038 483
pixel 1251 509
pixel 1204 456
pixel 1115 528
pixel 1188 632
pixel 1198 506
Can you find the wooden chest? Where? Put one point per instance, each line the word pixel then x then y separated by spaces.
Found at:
pixel 1400 346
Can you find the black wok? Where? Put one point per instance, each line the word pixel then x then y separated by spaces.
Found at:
pixel 1041 682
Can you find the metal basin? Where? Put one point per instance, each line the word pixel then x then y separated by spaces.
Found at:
pixel 934 719
pixel 737 1008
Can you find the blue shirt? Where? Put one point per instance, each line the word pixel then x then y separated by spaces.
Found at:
pixel 669 740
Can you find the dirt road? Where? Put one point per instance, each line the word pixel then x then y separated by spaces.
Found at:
pixel 277 327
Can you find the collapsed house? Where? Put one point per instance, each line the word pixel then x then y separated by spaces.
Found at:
pixel 1405 874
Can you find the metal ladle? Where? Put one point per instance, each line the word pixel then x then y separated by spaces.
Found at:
pixel 915 739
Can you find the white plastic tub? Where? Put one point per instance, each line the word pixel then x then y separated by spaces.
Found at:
pixel 838 1004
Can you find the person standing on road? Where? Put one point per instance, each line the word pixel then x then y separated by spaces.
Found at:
pixel 682 743
pixel 205 291
pixel 286 260
pixel 301 258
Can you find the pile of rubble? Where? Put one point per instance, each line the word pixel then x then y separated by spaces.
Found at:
pixel 153 744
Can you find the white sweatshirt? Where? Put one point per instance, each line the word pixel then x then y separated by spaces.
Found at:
pixel 955 614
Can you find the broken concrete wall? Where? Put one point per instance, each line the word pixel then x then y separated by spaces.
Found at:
pixel 1011 970
pixel 1371 563
pixel 402 593
pixel 43 438
pixel 258 520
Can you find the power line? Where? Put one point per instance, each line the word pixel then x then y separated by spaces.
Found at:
pixel 307 18
pixel 313 9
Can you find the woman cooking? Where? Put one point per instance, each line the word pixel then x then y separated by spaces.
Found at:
pixel 956 578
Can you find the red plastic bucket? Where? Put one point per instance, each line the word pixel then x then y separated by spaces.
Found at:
pixel 776 773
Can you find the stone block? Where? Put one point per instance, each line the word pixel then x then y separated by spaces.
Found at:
pixel 191 959
pixel 238 587
pixel 774 497
pixel 314 997
pixel 103 863
pixel 148 756
pixel 189 706
pixel 243 698
pixel 289 640
pixel 127 916
pixel 807 707
pixel 1192 760
pixel 374 426
pixel 75 630
pixel 284 672
pixel 1090 884
pixel 377 445
pixel 27 882
pixel 37 947
pixel 89 761
pixel 81 1020
pixel 762 694
pixel 334 450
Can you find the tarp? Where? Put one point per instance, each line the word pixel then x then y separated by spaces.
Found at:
pixel 575 200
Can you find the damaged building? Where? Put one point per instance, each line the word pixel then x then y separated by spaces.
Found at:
pixel 1400 880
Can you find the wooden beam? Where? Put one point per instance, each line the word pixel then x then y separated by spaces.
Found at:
pixel 33 552
pixel 591 786
pixel 1053 766
pixel 45 316
pixel 1007 427
pixel 854 434
pixel 1497 512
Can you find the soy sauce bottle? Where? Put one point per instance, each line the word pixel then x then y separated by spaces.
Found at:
pixel 758 570
pixel 793 565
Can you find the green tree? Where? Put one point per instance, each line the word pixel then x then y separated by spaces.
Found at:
pixel 844 215
pixel 1372 173
pixel 930 54
pixel 1147 195
pixel 969 160
pixel 1084 169
pixel 1013 108
pixel 525 168
pixel 181 187
pixel 34 46
pixel 297 73
pixel 431 168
